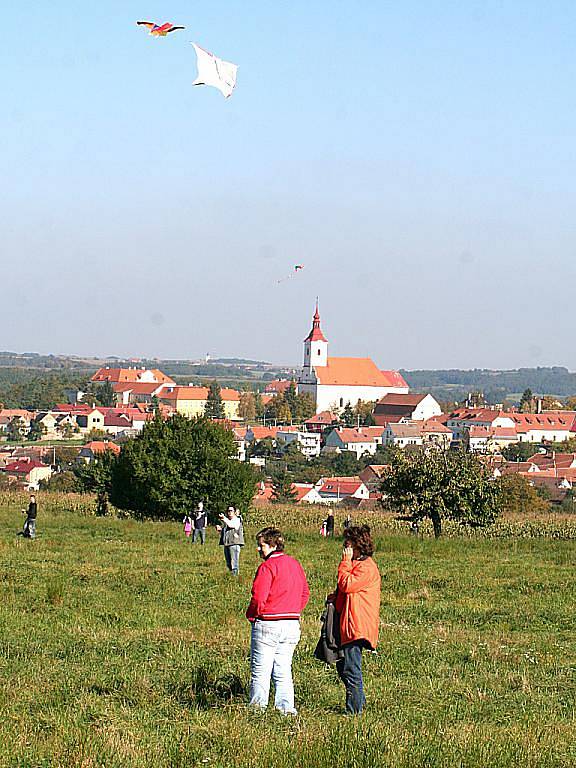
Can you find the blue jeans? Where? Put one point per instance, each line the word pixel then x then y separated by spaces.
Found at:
pixel 271 649
pixel 199 533
pixel 349 669
pixel 232 555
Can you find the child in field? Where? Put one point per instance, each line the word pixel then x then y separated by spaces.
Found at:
pixel 187 525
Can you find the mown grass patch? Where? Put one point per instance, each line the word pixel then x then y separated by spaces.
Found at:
pixel 121 644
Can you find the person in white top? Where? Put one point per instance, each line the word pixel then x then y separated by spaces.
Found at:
pixel 231 538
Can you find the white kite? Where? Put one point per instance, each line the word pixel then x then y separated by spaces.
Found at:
pixel 214 71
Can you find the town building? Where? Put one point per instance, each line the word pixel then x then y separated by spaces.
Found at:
pixel 357 440
pixel 307 442
pixel 405 407
pixel 29 472
pixel 333 490
pixel 191 401
pixel 335 381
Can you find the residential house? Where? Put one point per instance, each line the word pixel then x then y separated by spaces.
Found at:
pixel 306 493
pixel 131 375
pixel 307 442
pixel 191 401
pixel 29 472
pixel 358 440
pixel 130 393
pixel 372 476
pixel 460 420
pixel 335 381
pixel 92 418
pixel 434 431
pixel 8 414
pixel 405 407
pixel 401 434
pixel 321 421
pixel 257 433
pixel 92 449
pixel 333 490
pixel 278 386
pixel 548 426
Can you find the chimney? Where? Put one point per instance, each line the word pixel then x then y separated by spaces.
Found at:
pixel 538 405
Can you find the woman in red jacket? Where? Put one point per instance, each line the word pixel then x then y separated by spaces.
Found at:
pixel 358 604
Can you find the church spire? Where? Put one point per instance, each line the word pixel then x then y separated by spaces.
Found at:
pixel 316 332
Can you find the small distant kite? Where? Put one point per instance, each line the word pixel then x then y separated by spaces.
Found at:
pixel 215 72
pixel 295 270
pixel 158 30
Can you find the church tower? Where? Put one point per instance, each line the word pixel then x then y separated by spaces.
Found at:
pixel 315 346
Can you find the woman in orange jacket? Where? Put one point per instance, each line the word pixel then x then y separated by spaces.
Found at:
pixel 358 605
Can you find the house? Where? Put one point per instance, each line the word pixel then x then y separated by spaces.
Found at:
pixel 9 414
pixel 335 381
pixel 460 420
pixel 90 419
pixel 333 490
pixel 433 431
pixel 117 423
pixel 91 450
pixel 278 386
pixel 401 434
pixel 129 393
pixel 29 472
pixel 257 433
pixel 191 401
pixel 548 426
pixel 358 440
pixel 372 476
pixel 321 421
pixel 404 407
pixel 306 493
pixel 307 442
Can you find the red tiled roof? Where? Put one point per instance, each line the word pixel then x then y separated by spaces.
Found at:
pixel 301 490
pixel 129 374
pixel 316 332
pixel 435 426
pixel 138 387
pixel 324 417
pixel 99 446
pixel 359 435
pixel 357 371
pixel 117 420
pixel 278 386
pixel 196 393
pixel 262 432
pixel 548 420
pixel 344 486
pixel 23 466
pixel 398 399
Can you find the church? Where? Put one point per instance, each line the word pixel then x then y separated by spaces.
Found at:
pixel 335 381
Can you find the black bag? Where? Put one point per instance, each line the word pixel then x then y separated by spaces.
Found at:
pixel 328 648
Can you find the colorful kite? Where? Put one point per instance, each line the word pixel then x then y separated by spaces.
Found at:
pixel 297 268
pixel 158 30
pixel 215 72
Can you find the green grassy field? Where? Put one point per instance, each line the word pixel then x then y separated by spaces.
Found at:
pixel 123 645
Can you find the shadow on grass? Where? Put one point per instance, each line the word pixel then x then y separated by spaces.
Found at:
pixel 207 689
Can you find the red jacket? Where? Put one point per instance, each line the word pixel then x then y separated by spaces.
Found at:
pixel 280 589
pixel 358 601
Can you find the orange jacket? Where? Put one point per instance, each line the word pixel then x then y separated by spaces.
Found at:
pixel 358 600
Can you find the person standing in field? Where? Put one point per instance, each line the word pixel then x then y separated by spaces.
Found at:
pixel 280 593
pixel 231 538
pixel 330 523
pixel 357 600
pixel 29 530
pixel 200 522
pixel 187 525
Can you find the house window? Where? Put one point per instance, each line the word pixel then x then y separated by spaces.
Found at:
pixel 341 402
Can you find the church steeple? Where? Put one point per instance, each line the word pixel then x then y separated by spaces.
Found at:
pixel 315 345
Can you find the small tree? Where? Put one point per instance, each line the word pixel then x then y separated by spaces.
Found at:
pixel 348 417
pixel 37 430
pixel 282 490
pixel 214 406
pixel 304 407
pixel 96 476
pixel 527 401
pixel 247 406
pixel 15 429
pixel 518 451
pixel 440 485
pixel 519 497
pixel 106 394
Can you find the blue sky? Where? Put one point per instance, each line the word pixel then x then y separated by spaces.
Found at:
pixel 417 157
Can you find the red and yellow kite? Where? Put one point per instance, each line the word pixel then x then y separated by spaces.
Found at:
pixel 158 30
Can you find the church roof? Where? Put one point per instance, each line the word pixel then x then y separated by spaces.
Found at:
pixel 316 332
pixel 357 371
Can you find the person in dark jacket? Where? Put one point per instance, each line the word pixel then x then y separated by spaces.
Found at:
pixel 199 523
pixel 280 593
pixel 29 530
pixel 330 524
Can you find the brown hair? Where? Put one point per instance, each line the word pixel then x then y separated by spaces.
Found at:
pixel 360 538
pixel 272 536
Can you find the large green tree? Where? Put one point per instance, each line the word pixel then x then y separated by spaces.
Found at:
pixel 282 490
pixel 440 485
pixel 173 464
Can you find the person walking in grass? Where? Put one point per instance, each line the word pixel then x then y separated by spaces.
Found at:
pixel 231 538
pixel 357 602
pixel 280 593
pixel 29 530
pixel 200 522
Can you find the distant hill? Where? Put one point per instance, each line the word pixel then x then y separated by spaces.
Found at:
pixel 454 384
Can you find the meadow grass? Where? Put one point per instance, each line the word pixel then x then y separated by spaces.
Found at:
pixel 121 644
